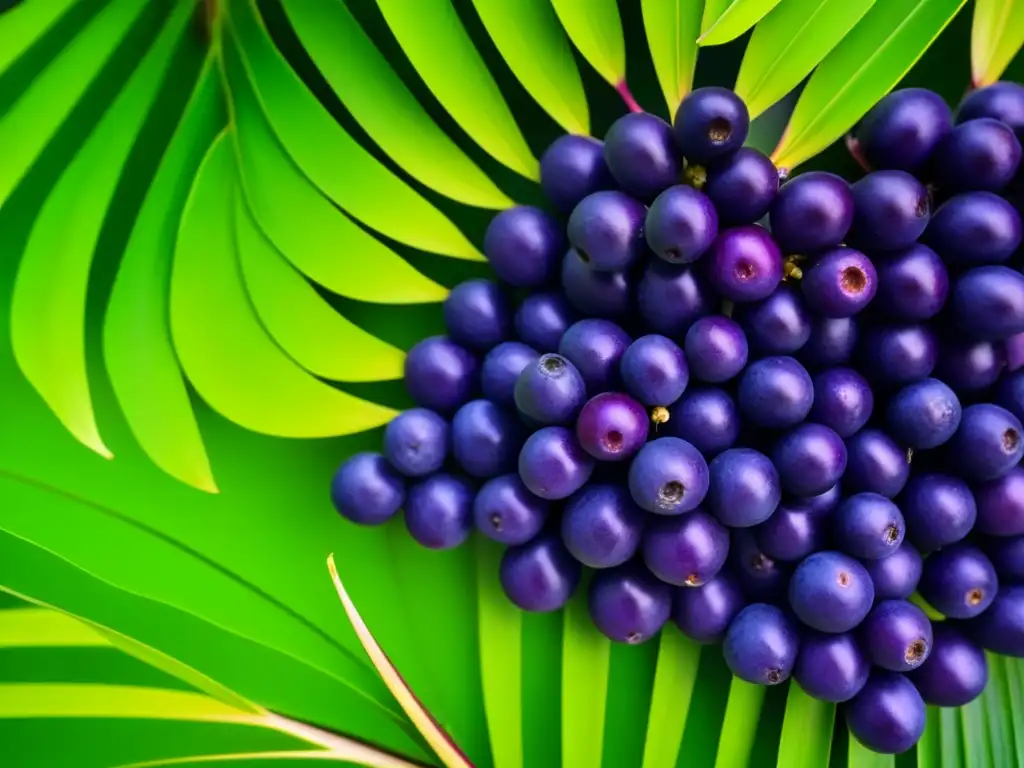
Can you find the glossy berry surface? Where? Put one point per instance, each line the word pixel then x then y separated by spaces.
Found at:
pixel 594 293
pixel 973 229
pixel 959 581
pixel 671 298
pixel 876 463
pixel 628 604
pixel 978 154
pixel 641 154
pixel 742 186
pixel 681 224
pixel 988 443
pixel 704 613
pixel 440 374
pixel 571 168
pixel 1001 628
pixel 761 645
pixel 791 533
pixel 843 400
pixel 812 212
pixel 744 489
pixel 903 129
pixel 832 342
pixel 831 666
pixel 439 511
pixel 716 348
pixel 831 592
pixel 552 464
pixel 913 284
pixel 686 550
pixel 551 391
pixel 888 715
pixel 612 426
pixel 762 578
pixel 777 325
pixel 840 283
pixel 899 354
pixel 416 442
pixel 706 417
pixel 955 672
pixel 504 510
pixel 775 392
pixel 367 490
pixel 654 370
pixel 897 635
pixel 710 123
pixel 524 246
pixel 539 575
pixel 891 210
pixel 602 525
pixel 1007 557
pixel 924 414
pixel 477 314
pixel 595 348
pixel 668 477
pixel 501 369
pixel 868 526
pixel 968 366
pixel 1003 101
pixel 486 439
pixel 541 320
pixel 1001 504
pixel 606 230
pixel 938 509
pixel 988 303
pixel 745 264
pixel 810 458
pixel 895 577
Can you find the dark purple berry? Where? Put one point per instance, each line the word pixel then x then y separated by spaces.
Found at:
pixel 486 439
pixel 681 224
pixel 939 510
pixel 742 186
pixel 959 581
pixel 1000 629
pixel 868 526
pixel 955 672
pixel 822 503
pixel 552 464
pixel 539 575
pixel 1002 100
pixel 968 366
pixel 776 392
pixel 716 348
pixel 551 391
pixel 595 347
pixel 890 211
pixel 903 129
pixel 593 293
pixel 810 458
pixel 744 487
pixel 761 645
pixel 832 342
pixel 762 578
pixel 541 320
pixel 831 592
pixel 607 231
pixel 843 400
pixel 704 613
pixel 896 576
pixel 988 303
pixel 654 371
pixel 899 354
pixel 840 283
pixel 477 315
pixel 416 442
pixel 711 122
pixel 439 511
pixel 612 426
pixel 897 635
pixel 988 443
pixel 506 511
pixel 571 168
pixel 876 463
pixel 1001 504
pixel 671 298
pixel 441 375
pixel 974 228
pixel 777 325
pixel 524 245
pixel 628 604
pixel 1010 393
pixel 812 212
pixel 979 154
pixel 501 369
pixel 641 154
pixel 791 533
pixel 831 667
pixel 707 418
pixel 888 715
pixel 924 414
pixel 668 477
pixel 367 490
pixel 602 526
pixel 686 550
pixel 745 264
pixel 912 285
pixel 1007 556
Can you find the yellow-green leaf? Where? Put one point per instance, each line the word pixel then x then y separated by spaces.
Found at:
pixel 586 656
pixel 382 104
pixel 997 34
pixel 742 713
pixel 595 29
pixel 437 44
pixel 544 65
pixel 673 27
pixel 713 9
pixel 49 302
pixel 22 25
pixel 806 740
pixel 859 71
pixel 674 680
pixel 859 756
pixel 223 349
pixel 43 628
pixel 790 42
pixel 736 19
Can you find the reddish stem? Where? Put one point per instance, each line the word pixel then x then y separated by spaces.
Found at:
pixel 627 96
pixel 853 146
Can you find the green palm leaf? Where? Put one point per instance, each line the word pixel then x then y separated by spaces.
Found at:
pixel 806 740
pixel 735 19
pixel 586 656
pixel 996 36
pixel 673 27
pixel 595 28
pixel 671 698
pixel 25 24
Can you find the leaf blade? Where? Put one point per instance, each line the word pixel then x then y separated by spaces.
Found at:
pixel 42 628
pixel 674 680
pixel 595 28
pixel 736 742
pixel 788 43
pixel 586 655
pixel 22 25
pixel 736 19
pixel 860 756
pixel 997 34
pixel 672 28
pixel 807 726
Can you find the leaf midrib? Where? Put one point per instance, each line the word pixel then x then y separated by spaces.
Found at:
pixel 792 40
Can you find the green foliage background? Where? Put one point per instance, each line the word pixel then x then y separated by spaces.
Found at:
pixel 220 227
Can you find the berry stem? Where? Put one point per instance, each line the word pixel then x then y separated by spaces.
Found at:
pixel 627 96
pixel 853 147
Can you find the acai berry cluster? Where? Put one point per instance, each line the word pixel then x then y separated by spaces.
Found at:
pixel 784 414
